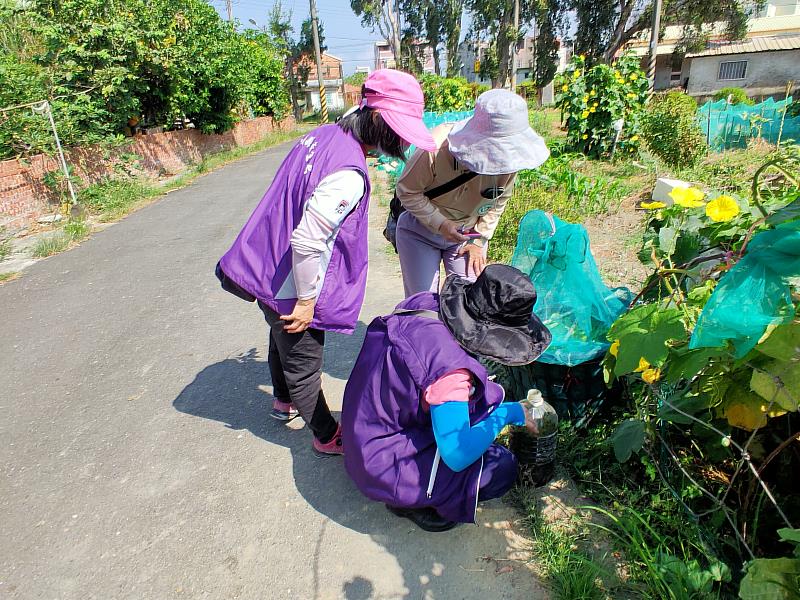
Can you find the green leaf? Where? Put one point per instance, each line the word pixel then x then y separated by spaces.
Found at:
pixel 686 364
pixel 793 537
pixel 783 343
pixel 643 333
pixel 688 404
pixel 790 212
pixel 627 439
pixel 771 579
pixel 766 384
pixel 667 239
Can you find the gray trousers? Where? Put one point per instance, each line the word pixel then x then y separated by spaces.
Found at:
pixel 295 363
pixel 421 254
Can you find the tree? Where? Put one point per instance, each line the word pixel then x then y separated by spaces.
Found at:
pixel 550 17
pixel 423 19
pixel 297 53
pixel 493 22
pixel 383 15
pixel 451 31
pixel 605 26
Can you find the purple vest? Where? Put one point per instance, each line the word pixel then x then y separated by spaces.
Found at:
pixel 387 434
pixel 260 259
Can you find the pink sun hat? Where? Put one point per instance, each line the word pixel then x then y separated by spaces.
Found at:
pixel 398 96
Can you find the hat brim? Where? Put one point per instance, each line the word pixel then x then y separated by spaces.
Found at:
pixel 411 129
pixel 489 155
pixel 513 346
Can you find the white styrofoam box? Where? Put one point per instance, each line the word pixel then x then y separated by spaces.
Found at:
pixel 664 186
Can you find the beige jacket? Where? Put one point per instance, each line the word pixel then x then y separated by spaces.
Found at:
pixel 464 205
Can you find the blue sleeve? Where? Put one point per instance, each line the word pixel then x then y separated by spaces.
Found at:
pixel 461 445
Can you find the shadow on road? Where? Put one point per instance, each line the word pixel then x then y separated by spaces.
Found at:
pixel 228 392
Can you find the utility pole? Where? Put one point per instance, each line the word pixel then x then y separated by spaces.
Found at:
pixel 514 64
pixel 229 6
pixel 323 103
pixel 651 63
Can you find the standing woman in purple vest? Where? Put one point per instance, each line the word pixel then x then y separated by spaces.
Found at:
pixel 420 416
pixel 303 253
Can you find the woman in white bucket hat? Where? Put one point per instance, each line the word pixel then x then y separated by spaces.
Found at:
pixel 455 196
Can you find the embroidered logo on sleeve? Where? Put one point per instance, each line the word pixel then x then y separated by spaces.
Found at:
pixel 343 206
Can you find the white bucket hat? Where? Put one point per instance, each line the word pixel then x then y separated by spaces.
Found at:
pixel 497 139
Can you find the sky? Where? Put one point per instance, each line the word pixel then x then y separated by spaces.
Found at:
pixel 344 35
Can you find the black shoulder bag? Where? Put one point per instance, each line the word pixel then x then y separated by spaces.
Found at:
pixel 396 208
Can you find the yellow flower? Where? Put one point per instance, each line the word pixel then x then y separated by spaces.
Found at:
pixel 583 57
pixel 643 365
pixel 635 138
pixel 634 77
pixel 651 375
pixel 652 205
pixel 584 114
pixel 722 208
pixel 688 197
pixel 592 92
pixel 564 87
pixel 576 74
pixel 630 95
pixel 593 109
pixel 614 350
pixel 596 104
pixel 586 98
pixel 585 136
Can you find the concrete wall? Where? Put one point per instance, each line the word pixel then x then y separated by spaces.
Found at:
pixel 767 73
pixel 24 197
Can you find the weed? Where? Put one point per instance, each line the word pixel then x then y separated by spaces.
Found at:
pixel 114 198
pixel 76 230
pixel 5 249
pixel 51 244
pixel 8 276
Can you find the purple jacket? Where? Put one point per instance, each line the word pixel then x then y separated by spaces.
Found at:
pixel 388 435
pixel 260 260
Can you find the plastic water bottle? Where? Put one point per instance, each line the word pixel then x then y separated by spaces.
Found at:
pixel 538 451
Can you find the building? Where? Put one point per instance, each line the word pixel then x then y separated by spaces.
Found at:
pixel 384 57
pixel 765 59
pixel 333 75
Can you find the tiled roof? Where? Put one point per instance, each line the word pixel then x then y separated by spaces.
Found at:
pixel 755 44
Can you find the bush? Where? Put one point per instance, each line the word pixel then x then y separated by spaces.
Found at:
pixel 737 95
pixel 592 100
pixel 444 94
pixel 670 129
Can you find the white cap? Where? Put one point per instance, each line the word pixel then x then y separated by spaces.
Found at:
pixel 535 397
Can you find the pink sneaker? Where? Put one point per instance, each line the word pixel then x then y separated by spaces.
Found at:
pixel 283 411
pixel 332 448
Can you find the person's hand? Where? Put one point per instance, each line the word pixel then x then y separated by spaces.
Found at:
pixel 476 261
pixel 301 316
pixel 449 231
pixel 530 422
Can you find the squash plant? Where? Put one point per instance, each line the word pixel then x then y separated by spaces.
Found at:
pixel 593 98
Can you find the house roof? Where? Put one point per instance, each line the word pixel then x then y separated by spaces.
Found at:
pixel 329 55
pixel 755 44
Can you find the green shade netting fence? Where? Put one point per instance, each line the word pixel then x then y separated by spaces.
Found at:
pixel 572 299
pixel 431 119
pixel 754 294
pixel 732 126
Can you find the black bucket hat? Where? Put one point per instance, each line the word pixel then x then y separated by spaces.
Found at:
pixel 493 317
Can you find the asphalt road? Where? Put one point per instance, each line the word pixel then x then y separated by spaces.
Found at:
pixel 138 458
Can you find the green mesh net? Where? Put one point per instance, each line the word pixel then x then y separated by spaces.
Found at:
pixel 733 126
pixel 754 295
pixel 572 299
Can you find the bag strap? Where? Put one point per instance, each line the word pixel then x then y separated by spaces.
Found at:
pixel 430 314
pixel 454 183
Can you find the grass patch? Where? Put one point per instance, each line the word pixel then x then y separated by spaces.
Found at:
pixel 8 276
pixel 5 249
pixel 76 230
pixel 51 244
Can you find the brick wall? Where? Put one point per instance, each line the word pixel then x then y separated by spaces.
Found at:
pixel 24 197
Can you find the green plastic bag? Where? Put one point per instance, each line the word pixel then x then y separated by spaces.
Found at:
pixel 572 299
pixel 754 294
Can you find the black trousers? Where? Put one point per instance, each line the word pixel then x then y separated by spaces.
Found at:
pixel 295 363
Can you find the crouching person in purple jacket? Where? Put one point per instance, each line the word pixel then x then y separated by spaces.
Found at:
pixel 420 416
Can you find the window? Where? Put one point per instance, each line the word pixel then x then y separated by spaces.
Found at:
pixel 733 70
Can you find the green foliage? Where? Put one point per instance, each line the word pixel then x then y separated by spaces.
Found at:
pixel 444 94
pixel 771 578
pixel 737 95
pixel 107 64
pixel 670 129
pixel 594 98
pixel 51 244
pixel 5 245
pixel 7 276
pixel 356 79
pixel 77 229
pixel 114 198
pixel 627 439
